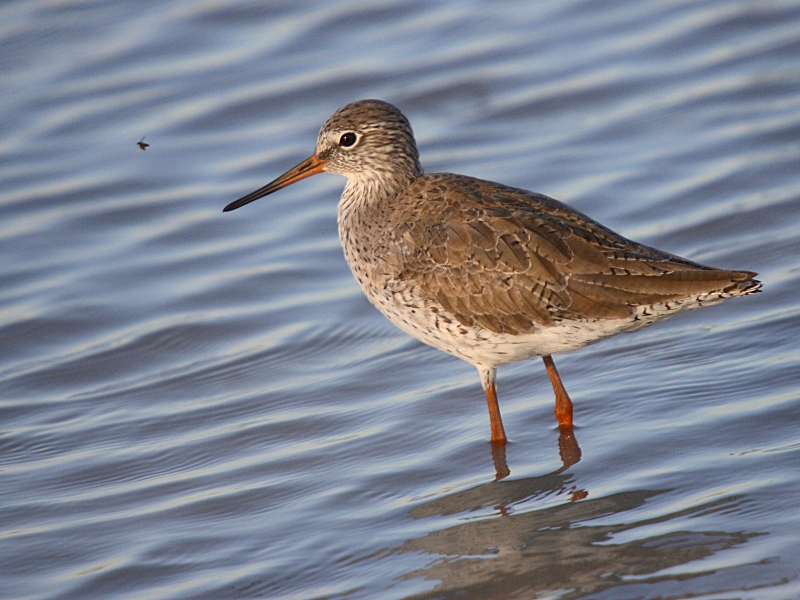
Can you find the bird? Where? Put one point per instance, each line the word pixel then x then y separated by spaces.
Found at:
pixel 486 272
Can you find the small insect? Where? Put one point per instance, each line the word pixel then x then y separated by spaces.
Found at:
pixel 141 144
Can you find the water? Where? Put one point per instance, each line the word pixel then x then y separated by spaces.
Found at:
pixel 199 405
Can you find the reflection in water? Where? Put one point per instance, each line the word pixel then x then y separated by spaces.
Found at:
pixel 500 464
pixel 555 550
pixel 567 447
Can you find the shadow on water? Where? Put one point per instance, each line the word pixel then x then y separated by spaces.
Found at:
pixel 556 550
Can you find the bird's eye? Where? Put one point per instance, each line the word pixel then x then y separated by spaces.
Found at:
pixel 347 139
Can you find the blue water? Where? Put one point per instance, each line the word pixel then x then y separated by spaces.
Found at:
pixel 198 405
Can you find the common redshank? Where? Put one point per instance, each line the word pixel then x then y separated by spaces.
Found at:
pixel 489 273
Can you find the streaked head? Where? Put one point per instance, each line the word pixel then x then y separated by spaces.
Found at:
pixel 368 139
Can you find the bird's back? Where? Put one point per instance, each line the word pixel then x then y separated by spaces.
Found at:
pixel 510 261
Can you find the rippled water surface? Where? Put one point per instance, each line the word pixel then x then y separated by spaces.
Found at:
pixel 199 405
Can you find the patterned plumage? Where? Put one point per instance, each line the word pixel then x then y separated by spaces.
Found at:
pixel 489 273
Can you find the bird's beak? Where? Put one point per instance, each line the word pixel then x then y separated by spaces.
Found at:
pixel 310 166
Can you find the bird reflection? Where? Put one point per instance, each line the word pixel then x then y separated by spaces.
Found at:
pixel 524 551
pixel 568 449
pixel 500 464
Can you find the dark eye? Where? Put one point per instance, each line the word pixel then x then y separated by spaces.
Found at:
pixel 347 139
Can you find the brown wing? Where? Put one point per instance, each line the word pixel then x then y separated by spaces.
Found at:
pixel 508 259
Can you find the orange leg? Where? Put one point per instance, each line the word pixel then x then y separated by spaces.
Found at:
pixel 496 421
pixel 563 403
pixel 498 433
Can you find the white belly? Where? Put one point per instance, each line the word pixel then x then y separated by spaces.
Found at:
pixel 431 324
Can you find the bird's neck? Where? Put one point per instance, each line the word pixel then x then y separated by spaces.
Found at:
pixel 365 192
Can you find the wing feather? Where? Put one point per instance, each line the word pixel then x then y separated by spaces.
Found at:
pixel 510 260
